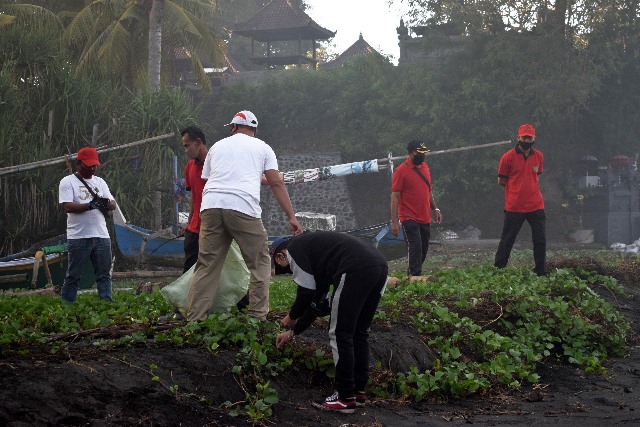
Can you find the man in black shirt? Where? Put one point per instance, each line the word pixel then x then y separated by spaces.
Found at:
pixel 358 273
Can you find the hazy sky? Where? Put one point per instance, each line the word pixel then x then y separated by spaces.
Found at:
pixel 373 18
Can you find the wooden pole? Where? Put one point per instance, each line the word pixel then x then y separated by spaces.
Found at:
pixel 143 273
pixel 94 135
pixel 62 159
pixel 50 127
pixel 450 150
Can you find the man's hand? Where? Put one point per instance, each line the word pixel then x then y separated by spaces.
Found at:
pixel 99 203
pixel 438 216
pixel 295 226
pixel 283 338
pixel 287 322
pixel 395 228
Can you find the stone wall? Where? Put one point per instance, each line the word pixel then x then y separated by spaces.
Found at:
pixel 325 197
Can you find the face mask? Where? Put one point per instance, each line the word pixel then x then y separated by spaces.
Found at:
pixel 525 145
pixel 418 159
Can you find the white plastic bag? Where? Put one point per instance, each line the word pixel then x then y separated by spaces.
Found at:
pixel 233 285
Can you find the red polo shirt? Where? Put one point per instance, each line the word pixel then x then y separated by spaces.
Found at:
pixel 195 184
pixel 522 192
pixel 415 195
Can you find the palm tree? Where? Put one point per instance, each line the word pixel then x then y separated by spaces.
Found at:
pixel 132 40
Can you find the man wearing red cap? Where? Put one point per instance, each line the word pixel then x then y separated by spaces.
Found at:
pixel 518 173
pixel 87 200
pixel 230 210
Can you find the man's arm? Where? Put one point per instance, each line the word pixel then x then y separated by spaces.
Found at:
pixel 282 196
pixel 434 207
pixel 395 229
pixel 73 207
pixel 502 181
pixel 309 312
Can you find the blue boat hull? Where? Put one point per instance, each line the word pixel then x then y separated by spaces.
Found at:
pixel 145 246
pixel 140 245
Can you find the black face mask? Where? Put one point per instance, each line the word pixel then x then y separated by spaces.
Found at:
pixel 525 145
pixel 418 159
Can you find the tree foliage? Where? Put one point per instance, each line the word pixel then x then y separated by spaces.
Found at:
pixel 47 110
pixel 110 38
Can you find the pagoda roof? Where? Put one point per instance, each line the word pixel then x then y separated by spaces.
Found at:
pixel 281 20
pixel 359 48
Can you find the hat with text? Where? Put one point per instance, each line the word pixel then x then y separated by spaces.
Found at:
pixel 418 146
pixel 245 118
pixel 88 156
pixel 527 130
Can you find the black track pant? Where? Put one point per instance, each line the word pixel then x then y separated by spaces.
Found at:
pixel 354 304
pixel 512 223
pixel 190 249
pixel 417 237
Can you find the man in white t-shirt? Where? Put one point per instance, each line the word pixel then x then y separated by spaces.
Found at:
pixel 230 210
pixel 87 232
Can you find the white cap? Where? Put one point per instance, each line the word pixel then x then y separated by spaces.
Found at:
pixel 246 118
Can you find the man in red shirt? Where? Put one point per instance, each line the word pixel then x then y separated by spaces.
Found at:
pixel 195 147
pixel 518 173
pixel 411 203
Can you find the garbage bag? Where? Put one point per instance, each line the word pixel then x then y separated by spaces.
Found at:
pixel 232 286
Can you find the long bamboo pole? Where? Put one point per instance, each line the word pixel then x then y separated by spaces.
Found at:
pixel 63 159
pixel 452 150
pixel 368 166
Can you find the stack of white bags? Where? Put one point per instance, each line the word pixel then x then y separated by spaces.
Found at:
pixel 633 248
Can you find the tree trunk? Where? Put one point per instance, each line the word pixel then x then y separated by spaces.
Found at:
pixel 157 204
pixel 155 55
pixel 155 44
pixel 560 15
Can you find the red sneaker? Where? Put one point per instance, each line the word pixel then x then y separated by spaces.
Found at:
pixel 361 398
pixel 335 404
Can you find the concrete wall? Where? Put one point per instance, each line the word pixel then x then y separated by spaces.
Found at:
pixel 326 197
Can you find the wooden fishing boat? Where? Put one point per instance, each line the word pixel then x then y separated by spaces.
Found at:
pixel 165 248
pixel 43 265
pixel 139 244
pixel 380 236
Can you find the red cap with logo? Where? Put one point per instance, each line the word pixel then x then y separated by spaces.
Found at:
pixel 527 130
pixel 88 156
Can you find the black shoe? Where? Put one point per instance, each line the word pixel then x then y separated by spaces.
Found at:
pixel 335 404
pixel 243 303
pixel 176 315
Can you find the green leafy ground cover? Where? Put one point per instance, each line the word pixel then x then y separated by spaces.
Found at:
pixel 489 329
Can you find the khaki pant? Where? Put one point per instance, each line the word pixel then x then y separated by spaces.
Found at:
pixel 219 227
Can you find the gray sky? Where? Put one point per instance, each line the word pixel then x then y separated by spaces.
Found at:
pixel 373 18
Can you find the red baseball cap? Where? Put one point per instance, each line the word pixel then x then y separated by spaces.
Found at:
pixel 527 130
pixel 88 156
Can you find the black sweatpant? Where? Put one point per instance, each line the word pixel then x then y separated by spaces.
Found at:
pixel 190 249
pixel 512 223
pixel 416 236
pixel 354 304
